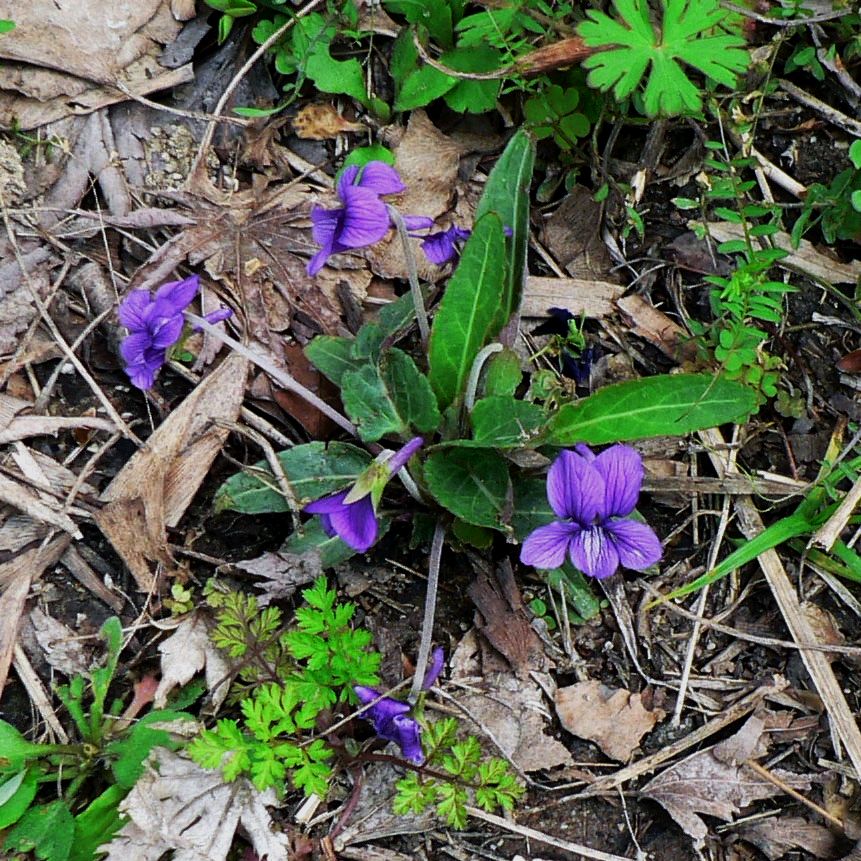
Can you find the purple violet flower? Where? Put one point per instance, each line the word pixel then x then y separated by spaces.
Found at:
pixel 391 718
pixel 362 220
pixel 352 514
pixel 155 324
pixel 592 497
pixel 441 247
pixel 355 523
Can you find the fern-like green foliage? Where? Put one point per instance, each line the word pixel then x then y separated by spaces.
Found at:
pixel 632 46
pixel 292 676
pixel 488 782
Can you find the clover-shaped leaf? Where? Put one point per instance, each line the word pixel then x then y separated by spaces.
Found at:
pixel 634 45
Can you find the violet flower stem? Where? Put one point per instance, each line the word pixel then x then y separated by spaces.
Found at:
pixel 430 610
pixel 281 377
pixel 412 274
pixel 475 372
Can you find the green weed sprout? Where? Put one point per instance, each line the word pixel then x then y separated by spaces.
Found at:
pixel 688 34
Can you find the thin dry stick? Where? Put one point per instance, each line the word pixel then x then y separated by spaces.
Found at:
pixel 413 275
pixel 541 837
pixel 57 335
pixel 237 78
pixel 704 594
pixel 430 611
pixel 840 715
pixel 37 693
pixel 281 377
pixel 729 715
pixel 765 774
pixel 771 642
pixel 274 465
pixel 830 531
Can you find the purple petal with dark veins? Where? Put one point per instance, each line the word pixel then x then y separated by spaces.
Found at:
pixel 179 293
pixel 621 467
pixel 574 488
pixel 593 552
pixel 547 546
pixel 132 309
pixel 381 178
pixel 365 220
pixel 636 543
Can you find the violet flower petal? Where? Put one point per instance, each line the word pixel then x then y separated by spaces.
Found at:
pixel 636 543
pixel 621 467
pixel 365 219
pixel 381 178
pixel 179 293
pixel 166 332
pixel 133 346
pixel 133 308
pixel 401 457
pixel 327 504
pixel 435 666
pixel 408 738
pixel 346 179
pixel 574 488
pixel 547 546
pixel 417 222
pixel 356 524
pixel 594 553
pixel 439 248
pixel 324 225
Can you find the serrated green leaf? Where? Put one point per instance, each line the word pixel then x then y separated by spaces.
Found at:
pixel 655 406
pixel 507 194
pixel 332 356
pixel 502 374
pixel 473 96
pixel 410 390
pixel 470 310
pixel 47 830
pixel 312 470
pixel 421 87
pixel 369 404
pixel 97 824
pixel 472 484
pixel 632 45
pixel 504 421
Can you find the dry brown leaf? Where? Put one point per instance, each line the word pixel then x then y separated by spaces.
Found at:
pixel 57 57
pixel 572 235
pixel 509 709
pixel 187 651
pixel 716 782
pixel 374 818
pixel 25 499
pixel 779 835
pixel 16 576
pixel 159 481
pixel 180 806
pixel 61 647
pixel 503 621
pixel 321 122
pixel 616 720
pixel 284 573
